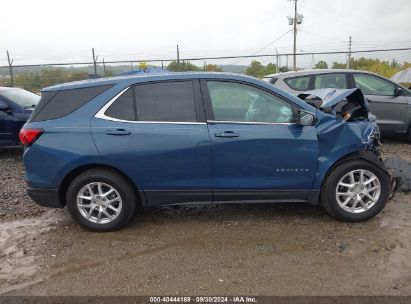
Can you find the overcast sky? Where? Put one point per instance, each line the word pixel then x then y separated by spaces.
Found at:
pixel 64 31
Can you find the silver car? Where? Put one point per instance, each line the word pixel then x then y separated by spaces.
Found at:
pixel 389 101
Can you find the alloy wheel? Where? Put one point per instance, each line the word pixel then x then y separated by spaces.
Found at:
pixel 99 202
pixel 358 191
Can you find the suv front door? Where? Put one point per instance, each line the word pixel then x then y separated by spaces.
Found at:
pixel 259 153
pixel 390 109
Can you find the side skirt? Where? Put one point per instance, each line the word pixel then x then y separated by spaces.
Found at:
pixel 182 197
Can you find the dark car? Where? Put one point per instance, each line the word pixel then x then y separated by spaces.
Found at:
pixel 389 101
pixel 105 147
pixel 16 105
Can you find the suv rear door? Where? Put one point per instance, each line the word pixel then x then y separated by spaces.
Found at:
pixel 156 133
pixel 391 110
pixel 259 153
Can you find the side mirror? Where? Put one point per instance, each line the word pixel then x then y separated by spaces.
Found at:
pixel 305 118
pixel 4 107
pixel 399 92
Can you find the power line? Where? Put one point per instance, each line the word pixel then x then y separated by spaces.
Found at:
pixel 263 48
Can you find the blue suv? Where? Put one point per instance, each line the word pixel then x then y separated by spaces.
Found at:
pixel 108 146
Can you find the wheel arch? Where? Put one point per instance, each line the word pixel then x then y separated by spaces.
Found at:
pixel 65 183
pixel 366 155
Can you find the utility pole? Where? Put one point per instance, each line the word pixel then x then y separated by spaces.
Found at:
pixel 276 60
pixel 10 69
pixel 349 53
pixel 205 66
pixel 104 67
pixel 178 59
pixel 298 19
pixel 94 61
pixel 295 35
pixel 162 65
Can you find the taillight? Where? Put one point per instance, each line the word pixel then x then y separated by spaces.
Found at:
pixel 29 136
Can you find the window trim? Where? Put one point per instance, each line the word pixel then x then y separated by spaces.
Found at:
pixel 209 107
pixel 249 122
pixel 375 76
pixel 102 112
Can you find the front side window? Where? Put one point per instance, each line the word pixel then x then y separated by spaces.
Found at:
pixel 243 103
pixel 299 83
pixel 334 81
pixel 165 101
pixel 373 85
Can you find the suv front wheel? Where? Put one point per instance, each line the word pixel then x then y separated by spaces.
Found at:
pixel 101 200
pixel 356 191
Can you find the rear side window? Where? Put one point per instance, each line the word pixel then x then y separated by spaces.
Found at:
pixel 299 83
pixel 54 105
pixel 166 101
pixel 334 81
pixel 123 107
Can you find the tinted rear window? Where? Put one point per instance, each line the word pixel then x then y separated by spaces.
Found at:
pixel 166 101
pixel 123 107
pixel 299 83
pixel 59 104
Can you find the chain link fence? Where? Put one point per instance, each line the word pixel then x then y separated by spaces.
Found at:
pixel 385 62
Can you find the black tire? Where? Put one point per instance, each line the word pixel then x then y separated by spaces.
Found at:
pixel 328 196
pixel 124 188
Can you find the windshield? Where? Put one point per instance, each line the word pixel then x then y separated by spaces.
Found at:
pixel 21 97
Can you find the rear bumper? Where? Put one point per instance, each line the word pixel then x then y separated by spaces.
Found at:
pixel 45 197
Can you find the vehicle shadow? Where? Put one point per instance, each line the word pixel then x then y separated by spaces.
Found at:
pixel 255 212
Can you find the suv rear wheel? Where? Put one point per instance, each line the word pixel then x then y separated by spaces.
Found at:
pixel 356 191
pixel 101 200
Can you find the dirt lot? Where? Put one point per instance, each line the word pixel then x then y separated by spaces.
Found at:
pixel 283 249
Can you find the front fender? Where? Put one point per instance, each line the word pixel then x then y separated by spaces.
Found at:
pixel 340 140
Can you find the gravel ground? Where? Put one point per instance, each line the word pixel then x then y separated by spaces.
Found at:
pixel 281 249
pixel 396 147
pixel 14 202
